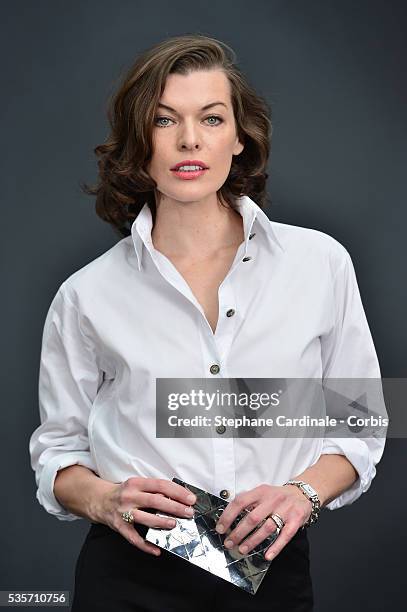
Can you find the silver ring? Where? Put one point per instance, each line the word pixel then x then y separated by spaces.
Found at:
pixel 127 516
pixel 278 520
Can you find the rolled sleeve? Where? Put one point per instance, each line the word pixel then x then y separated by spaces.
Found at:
pixel 348 352
pixel 45 491
pixel 69 378
pixel 363 456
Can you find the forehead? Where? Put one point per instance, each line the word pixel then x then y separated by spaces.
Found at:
pixel 196 89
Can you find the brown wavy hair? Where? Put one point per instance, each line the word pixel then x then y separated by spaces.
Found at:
pixel 124 185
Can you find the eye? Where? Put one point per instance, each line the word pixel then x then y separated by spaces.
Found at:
pixel 162 118
pixel 215 117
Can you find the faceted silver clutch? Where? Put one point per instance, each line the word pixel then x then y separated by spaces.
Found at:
pixel 196 540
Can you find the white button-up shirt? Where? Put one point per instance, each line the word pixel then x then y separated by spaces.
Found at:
pixel 129 317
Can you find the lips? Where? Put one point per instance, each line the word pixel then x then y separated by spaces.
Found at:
pixel 190 162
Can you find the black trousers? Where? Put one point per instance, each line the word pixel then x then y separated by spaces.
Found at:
pixel 112 575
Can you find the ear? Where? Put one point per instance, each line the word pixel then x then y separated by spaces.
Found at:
pixel 238 148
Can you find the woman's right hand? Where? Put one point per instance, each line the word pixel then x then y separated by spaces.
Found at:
pixel 137 493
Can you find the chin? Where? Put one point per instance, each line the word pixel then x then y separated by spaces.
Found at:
pixel 188 194
pixel 190 191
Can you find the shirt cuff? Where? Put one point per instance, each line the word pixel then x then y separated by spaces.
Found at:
pixel 359 455
pixel 45 492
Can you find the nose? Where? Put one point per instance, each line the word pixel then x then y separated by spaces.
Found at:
pixel 189 138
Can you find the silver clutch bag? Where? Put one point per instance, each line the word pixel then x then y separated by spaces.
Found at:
pixel 196 540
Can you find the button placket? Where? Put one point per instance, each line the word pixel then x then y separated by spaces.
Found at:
pixel 224 464
pixel 226 326
pixel 223 447
pixel 223 455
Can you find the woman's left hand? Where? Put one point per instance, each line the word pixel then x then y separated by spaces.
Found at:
pixel 287 501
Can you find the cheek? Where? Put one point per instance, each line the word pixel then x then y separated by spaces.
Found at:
pixel 156 168
pixel 223 146
pixel 222 158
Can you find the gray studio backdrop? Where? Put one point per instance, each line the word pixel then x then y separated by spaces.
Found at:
pixel 334 74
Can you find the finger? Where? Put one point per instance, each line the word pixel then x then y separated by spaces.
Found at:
pixel 134 538
pixel 167 488
pixel 153 520
pixel 251 521
pixel 233 510
pixel 266 530
pixel 165 505
pixel 288 531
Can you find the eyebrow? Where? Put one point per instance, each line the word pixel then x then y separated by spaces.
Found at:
pixel 202 109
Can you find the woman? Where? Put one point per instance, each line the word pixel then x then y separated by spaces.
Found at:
pixel 202 284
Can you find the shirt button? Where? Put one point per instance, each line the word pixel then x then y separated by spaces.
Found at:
pixel 251 235
pixel 224 494
pixel 220 429
pixel 214 369
pixel 230 313
pixel 246 258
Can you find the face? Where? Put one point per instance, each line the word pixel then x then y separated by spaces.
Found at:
pixel 185 130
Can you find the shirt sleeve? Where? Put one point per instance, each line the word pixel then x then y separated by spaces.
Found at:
pixel 69 378
pixel 348 352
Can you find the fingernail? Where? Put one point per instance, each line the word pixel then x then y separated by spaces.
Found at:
pixel 243 550
pixel 189 511
pixel 220 528
pixel 228 543
pixel 191 499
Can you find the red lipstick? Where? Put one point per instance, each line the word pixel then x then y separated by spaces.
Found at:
pixel 190 162
pixel 188 174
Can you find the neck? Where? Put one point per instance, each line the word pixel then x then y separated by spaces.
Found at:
pixel 195 230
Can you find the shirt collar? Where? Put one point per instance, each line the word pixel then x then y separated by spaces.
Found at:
pixel 249 210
